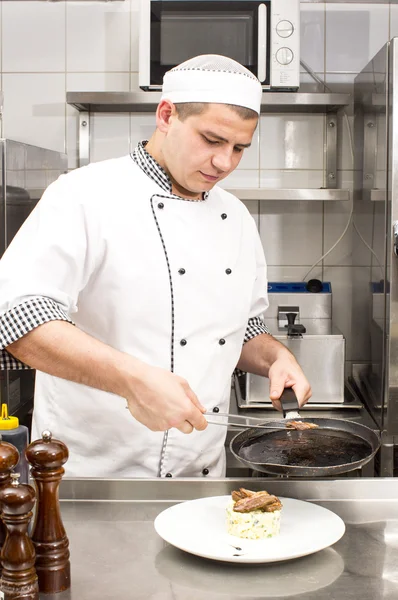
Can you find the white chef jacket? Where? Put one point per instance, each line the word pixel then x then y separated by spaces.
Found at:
pixel 170 282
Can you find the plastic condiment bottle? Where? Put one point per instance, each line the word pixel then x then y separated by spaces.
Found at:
pixel 17 435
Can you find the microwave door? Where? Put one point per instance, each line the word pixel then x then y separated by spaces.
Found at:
pixel 262 43
pixel 177 30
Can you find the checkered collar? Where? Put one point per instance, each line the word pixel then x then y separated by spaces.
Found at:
pixel 152 169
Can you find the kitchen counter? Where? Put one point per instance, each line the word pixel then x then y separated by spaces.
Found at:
pixel 117 555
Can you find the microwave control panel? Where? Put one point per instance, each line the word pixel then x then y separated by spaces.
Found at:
pixel 285 44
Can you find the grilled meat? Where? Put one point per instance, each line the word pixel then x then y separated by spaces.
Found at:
pixel 246 501
pixel 301 425
pixel 242 493
pixel 274 506
pixel 254 503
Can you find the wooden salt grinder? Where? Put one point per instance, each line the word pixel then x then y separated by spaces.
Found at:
pixel 9 458
pixel 47 456
pixel 18 580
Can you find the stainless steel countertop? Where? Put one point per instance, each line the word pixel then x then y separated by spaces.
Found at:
pixel 117 555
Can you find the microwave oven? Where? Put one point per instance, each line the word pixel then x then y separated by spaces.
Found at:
pixel 262 36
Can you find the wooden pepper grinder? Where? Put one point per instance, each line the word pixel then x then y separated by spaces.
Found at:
pixel 47 456
pixel 9 458
pixel 18 580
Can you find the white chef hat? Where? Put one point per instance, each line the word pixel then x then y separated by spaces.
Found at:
pixel 212 78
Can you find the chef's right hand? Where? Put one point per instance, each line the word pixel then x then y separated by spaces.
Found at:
pixel 161 400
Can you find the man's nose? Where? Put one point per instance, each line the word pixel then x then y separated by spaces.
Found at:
pixel 222 160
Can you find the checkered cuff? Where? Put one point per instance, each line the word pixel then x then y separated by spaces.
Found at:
pixel 19 320
pixel 255 327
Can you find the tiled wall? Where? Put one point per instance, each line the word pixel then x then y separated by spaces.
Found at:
pixel 48 48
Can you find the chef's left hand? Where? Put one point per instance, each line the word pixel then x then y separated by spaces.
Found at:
pixel 285 372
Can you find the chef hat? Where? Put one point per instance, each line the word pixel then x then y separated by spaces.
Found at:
pixel 212 78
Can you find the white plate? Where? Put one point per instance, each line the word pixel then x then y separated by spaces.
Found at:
pixel 199 527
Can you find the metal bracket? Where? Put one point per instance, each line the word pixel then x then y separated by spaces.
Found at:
pixel 369 150
pixel 84 138
pixel 331 151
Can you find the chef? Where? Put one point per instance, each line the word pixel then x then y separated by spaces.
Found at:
pixel 139 283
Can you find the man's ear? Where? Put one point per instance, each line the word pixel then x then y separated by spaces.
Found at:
pixel 165 113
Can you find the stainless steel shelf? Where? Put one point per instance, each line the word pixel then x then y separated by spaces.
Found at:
pixel 375 195
pixel 312 194
pixel 147 101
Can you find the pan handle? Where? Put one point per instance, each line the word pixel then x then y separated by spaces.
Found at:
pixel 289 401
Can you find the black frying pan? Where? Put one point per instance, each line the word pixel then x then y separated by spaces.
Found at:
pixel 338 446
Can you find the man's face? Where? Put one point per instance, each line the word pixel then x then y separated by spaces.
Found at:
pixel 202 150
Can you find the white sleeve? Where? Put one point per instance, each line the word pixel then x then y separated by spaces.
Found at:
pixel 259 302
pixel 53 253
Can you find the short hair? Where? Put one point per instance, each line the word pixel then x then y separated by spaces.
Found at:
pixel 188 109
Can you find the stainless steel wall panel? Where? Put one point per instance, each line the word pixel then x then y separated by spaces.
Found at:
pixel 370 282
pixel 391 301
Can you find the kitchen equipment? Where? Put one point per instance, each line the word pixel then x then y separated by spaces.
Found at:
pixel 249 422
pixel 300 316
pixel 245 422
pixel 262 36
pixel 374 318
pixel 18 574
pixel 47 456
pixel 338 446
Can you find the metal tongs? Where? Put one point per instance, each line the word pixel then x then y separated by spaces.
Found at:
pixel 290 408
